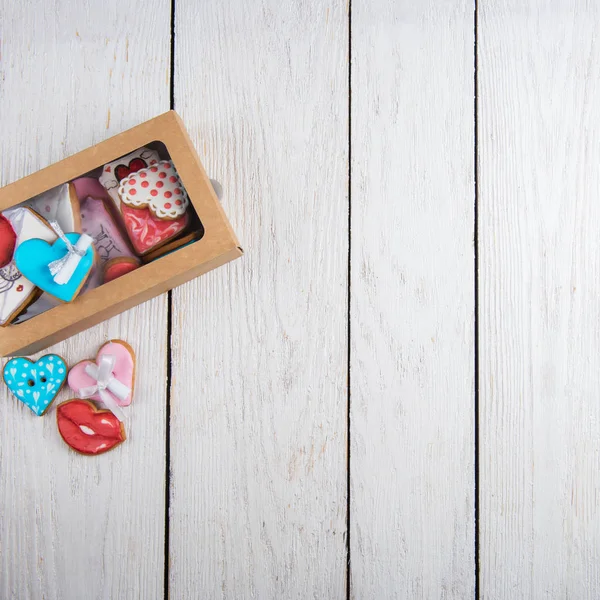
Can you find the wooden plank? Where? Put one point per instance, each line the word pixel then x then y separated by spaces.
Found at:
pixel 71 526
pixel 258 421
pixel 412 306
pixel 539 81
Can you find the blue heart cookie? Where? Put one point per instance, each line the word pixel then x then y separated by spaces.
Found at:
pixel 32 258
pixel 36 384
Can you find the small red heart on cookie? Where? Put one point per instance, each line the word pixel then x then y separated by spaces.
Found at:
pixel 122 171
pixel 8 239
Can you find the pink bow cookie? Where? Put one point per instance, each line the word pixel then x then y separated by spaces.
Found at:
pixel 110 379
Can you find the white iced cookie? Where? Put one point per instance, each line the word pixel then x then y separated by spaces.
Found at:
pixel 117 170
pixel 59 204
pixel 16 292
pixel 157 188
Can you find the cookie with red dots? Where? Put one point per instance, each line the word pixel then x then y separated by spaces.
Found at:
pixel 157 188
pixel 116 171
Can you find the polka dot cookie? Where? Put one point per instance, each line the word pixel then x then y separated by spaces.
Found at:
pixel 36 384
pixel 158 188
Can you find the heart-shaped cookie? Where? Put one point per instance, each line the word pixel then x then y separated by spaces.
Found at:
pixel 36 384
pixel 159 188
pixel 87 429
pixel 123 371
pixel 8 240
pixel 33 257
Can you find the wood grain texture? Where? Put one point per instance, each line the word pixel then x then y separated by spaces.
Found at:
pixel 72 526
pixel 259 387
pixel 412 301
pixel 539 87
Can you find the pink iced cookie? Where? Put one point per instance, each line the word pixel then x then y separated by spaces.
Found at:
pixel 97 221
pixel 123 371
pixel 146 232
pixel 89 186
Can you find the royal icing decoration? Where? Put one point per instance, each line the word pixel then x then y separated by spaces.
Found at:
pixel 8 241
pixel 158 188
pixel 146 232
pixel 59 204
pixel 114 172
pixel 35 257
pixel 89 186
pixel 117 267
pixel 110 379
pixel 36 384
pixel 110 244
pixel 86 429
pixel 16 291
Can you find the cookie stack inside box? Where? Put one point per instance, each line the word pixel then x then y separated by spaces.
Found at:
pixel 133 210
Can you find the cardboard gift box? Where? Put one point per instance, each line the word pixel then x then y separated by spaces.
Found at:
pixel 186 259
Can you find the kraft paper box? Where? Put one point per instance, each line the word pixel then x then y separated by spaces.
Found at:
pixel 217 246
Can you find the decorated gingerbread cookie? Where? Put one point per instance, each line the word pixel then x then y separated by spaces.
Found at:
pixel 36 384
pixel 109 379
pixel 8 241
pixel 89 186
pixel 146 232
pixel 117 170
pixel 97 221
pixel 119 266
pixel 16 291
pixel 157 188
pixel 59 204
pixel 87 429
pixel 60 268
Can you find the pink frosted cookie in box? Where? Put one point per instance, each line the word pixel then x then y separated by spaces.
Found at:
pixel 97 221
pixel 148 222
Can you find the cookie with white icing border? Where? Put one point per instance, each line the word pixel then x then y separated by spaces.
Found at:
pixel 117 170
pixel 16 291
pixel 145 232
pixel 157 188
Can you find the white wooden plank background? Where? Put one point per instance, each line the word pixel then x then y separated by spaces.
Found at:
pixel 71 526
pixel 412 353
pixel 258 432
pixel 259 349
pixel 539 89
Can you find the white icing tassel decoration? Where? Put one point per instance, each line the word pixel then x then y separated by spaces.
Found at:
pixel 63 268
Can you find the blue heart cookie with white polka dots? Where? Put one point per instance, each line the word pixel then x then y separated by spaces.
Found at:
pixel 36 384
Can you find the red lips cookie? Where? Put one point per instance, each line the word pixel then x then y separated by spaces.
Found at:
pixel 87 429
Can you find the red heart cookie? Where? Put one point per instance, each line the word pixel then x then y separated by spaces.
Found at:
pixel 87 429
pixel 122 171
pixel 8 239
